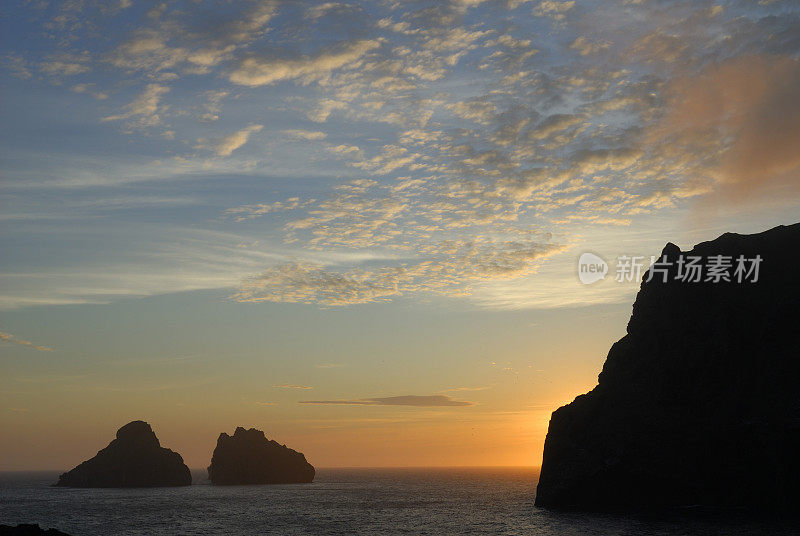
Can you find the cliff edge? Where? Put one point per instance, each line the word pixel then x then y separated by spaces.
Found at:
pixel 699 404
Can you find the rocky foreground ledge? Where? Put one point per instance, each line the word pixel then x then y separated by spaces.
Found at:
pixel 699 404
pixel 135 459
pixel 248 457
pixel 29 530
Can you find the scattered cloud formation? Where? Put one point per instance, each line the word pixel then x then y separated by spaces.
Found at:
pixel 443 148
pixel 448 268
pixel 404 400
pixel 7 337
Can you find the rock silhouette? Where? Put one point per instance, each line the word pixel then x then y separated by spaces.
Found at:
pixel 248 457
pixel 135 459
pixel 29 530
pixel 699 404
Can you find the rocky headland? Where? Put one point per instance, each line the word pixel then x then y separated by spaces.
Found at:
pixel 699 404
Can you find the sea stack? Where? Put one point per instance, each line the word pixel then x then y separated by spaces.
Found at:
pixel 248 457
pixel 135 459
pixel 699 403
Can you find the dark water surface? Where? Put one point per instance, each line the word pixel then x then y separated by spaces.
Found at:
pixel 340 501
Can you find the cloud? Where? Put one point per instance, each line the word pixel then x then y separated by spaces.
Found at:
pixel 304 282
pixel 226 145
pixel 173 42
pixel 324 108
pixel 325 8
pixel 447 268
pixel 391 158
pixel 261 71
pixel 554 124
pixel 246 212
pixel 553 9
pixel 304 134
pixel 467 144
pixel 478 110
pixel 87 88
pixel 212 105
pixel 63 68
pixel 17 66
pixel 751 101
pixel 291 386
pixel 145 106
pixel 585 47
pixel 7 337
pixel 404 400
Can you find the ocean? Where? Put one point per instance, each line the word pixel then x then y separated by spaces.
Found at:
pixel 342 501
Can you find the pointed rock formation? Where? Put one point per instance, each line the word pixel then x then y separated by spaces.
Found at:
pixel 248 457
pixel 699 403
pixel 135 459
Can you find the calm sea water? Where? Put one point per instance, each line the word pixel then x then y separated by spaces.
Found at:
pixel 340 501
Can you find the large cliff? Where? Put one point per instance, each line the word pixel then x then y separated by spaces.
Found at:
pixel 699 404
pixel 248 457
pixel 135 459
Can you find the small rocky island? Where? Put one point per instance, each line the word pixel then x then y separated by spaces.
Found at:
pixel 248 457
pixel 135 459
pixel 699 404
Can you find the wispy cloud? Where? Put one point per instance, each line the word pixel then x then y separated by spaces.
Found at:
pixel 301 134
pixel 226 145
pixel 482 388
pixel 145 107
pixel 7 337
pixel 403 400
pixel 261 71
pixel 291 386
pixel 751 102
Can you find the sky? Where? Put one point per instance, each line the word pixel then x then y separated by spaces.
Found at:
pixel 355 225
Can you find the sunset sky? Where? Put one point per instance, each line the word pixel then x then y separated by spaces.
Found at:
pixel 355 225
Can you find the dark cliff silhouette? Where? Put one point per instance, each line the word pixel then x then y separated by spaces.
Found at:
pixel 29 530
pixel 135 459
pixel 248 457
pixel 699 404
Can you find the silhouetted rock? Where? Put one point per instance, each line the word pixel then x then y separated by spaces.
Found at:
pixel 248 457
pixel 29 530
pixel 135 459
pixel 699 404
